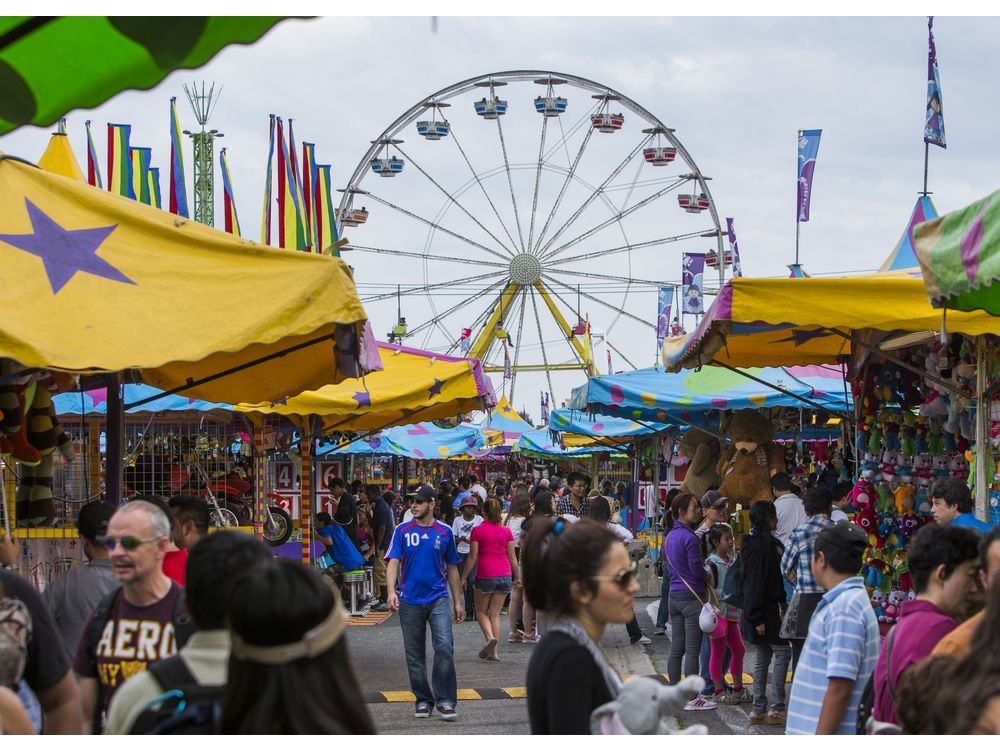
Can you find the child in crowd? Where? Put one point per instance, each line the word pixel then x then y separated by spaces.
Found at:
pixel 365 536
pixel 720 563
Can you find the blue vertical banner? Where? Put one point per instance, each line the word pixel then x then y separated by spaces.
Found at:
pixel 692 283
pixel 934 120
pixel 664 301
pixel 734 249
pixel 808 149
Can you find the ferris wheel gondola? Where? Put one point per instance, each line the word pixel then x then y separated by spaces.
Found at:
pixel 537 229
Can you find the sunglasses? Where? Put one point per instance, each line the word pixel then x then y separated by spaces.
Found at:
pixel 418 501
pixel 128 543
pixel 623 578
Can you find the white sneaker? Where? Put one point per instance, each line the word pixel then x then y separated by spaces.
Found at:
pixel 642 640
pixel 700 703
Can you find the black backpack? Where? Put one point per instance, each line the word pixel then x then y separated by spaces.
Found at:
pixel 732 587
pixel 185 707
pixel 867 703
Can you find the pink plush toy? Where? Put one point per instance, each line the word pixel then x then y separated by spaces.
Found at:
pixel 893 606
pixel 922 469
pixel 959 467
pixel 862 494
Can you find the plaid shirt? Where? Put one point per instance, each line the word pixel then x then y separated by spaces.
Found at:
pixel 564 505
pixel 799 554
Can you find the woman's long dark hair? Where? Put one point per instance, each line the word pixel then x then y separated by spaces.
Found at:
pixel 600 509
pixel 945 695
pixel 275 603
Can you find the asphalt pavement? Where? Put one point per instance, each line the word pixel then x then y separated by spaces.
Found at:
pixel 491 693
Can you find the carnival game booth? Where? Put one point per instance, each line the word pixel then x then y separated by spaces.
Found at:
pixel 923 385
pixel 110 290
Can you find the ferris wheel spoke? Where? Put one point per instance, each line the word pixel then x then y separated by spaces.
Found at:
pixel 424 256
pixel 562 190
pixel 517 342
pixel 475 323
pixel 453 199
pixel 482 187
pixel 427 287
pixel 541 344
pixel 597 191
pixel 599 301
pixel 625 248
pixel 538 181
pixel 562 142
pixel 464 302
pixel 605 276
pixel 615 349
pixel 510 183
pixel 437 227
pixel 611 220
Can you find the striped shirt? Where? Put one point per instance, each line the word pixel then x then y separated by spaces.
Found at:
pixel 843 642
pixel 799 553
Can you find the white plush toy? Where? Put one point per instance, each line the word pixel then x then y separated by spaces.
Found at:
pixel 643 705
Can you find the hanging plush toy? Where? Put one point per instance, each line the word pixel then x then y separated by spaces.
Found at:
pixel 893 606
pixel 702 452
pixel 15 392
pixel 862 494
pixel 749 463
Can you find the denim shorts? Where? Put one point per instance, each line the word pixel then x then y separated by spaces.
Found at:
pixel 498 585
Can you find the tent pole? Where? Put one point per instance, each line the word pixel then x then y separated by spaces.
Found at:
pixel 115 440
pixel 982 430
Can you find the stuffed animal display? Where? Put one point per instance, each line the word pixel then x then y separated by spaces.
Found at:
pixel 702 452
pixel 753 458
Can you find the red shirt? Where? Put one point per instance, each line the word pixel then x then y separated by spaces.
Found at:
pixel 175 565
pixel 921 625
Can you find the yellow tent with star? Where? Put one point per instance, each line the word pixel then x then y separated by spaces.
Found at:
pixel 93 282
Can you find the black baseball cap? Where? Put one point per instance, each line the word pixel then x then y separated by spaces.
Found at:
pixel 93 520
pixel 713 499
pixel 425 493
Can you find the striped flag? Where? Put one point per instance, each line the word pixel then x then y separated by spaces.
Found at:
pixel 93 167
pixel 140 158
pixel 178 191
pixel 119 160
pixel 291 226
pixel 232 221
pixel 326 224
pixel 265 222
pixel 154 186
pixel 309 191
pixel 303 213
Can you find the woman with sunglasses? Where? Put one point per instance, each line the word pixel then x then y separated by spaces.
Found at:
pixel 580 574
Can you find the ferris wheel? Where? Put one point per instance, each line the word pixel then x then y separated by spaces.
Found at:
pixel 514 216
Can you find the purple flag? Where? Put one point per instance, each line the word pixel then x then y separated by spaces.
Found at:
pixel 664 301
pixel 692 285
pixel 734 249
pixel 934 121
pixel 808 148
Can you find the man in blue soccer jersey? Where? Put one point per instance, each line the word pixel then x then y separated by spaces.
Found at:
pixel 423 557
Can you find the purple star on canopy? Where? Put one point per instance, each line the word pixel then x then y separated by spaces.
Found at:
pixel 64 252
pixel 435 390
pixel 363 398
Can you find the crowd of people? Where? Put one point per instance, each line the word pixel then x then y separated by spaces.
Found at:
pixel 163 629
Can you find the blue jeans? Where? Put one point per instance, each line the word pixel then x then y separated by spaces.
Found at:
pixel 470 602
pixel 413 619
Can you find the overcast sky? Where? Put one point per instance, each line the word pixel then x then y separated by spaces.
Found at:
pixel 735 90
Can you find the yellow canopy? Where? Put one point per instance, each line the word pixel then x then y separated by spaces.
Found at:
pixel 95 282
pixel 59 158
pixel 775 322
pixel 413 386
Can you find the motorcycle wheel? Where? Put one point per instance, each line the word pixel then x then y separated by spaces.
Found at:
pixel 279 530
pixel 242 509
pixel 224 518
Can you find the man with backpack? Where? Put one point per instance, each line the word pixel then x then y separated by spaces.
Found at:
pixel 137 624
pixel 197 674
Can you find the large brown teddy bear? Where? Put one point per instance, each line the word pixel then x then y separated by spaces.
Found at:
pixel 749 463
pixel 702 452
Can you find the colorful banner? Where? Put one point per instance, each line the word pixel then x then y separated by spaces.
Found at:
pixel 178 191
pixel 291 226
pixel 664 301
pixel 302 212
pixel 544 411
pixel 229 203
pixel 808 149
pixel 325 221
pixel 140 158
pixel 934 120
pixel 734 249
pixel 692 284
pixel 119 160
pixel 153 185
pixel 93 168
pixel 309 191
pixel 265 221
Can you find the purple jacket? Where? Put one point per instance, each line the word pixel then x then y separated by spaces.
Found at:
pixel 682 555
